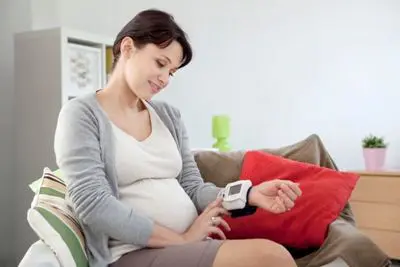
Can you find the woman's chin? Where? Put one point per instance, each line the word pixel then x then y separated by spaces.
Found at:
pixel 146 97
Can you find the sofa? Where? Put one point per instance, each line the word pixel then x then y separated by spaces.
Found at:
pixel 345 245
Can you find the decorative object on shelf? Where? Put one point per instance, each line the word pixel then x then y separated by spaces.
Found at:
pixel 85 69
pixel 221 132
pixel 109 61
pixel 374 152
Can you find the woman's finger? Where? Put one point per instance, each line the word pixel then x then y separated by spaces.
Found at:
pixel 288 203
pixel 295 188
pixel 225 225
pixel 217 231
pixel 217 211
pixel 289 192
pixel 212 205
pixel 216 221
pixel 280 206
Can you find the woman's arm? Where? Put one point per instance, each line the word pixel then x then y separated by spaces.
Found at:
pixel 163 237
pixel 200 192
pixel 78 155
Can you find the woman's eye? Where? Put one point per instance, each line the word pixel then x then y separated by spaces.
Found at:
pixel 160 64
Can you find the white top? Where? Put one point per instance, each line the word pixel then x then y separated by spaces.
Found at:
pixel 147 172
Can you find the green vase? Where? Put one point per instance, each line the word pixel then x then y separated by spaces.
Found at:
pixel 221 132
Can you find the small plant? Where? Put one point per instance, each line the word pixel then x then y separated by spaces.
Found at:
pixel 373 141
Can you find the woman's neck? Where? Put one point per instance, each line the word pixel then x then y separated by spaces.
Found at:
pixel 118 94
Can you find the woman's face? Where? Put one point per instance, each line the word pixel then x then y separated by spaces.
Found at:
pixel 147 70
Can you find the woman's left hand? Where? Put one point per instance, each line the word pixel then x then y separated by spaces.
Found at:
pixel 276 196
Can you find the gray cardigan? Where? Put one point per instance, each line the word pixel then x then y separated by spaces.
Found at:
pixel 85 154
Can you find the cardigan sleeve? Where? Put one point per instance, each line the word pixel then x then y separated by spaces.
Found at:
pixel 77 150
pixel 200 192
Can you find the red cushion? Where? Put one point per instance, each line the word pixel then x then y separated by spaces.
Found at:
pixel 325 193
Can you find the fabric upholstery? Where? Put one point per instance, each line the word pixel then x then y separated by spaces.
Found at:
pixel 342 235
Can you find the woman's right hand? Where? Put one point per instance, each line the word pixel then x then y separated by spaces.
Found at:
pixel 207 223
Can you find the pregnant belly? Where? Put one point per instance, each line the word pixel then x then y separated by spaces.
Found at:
pixel 162 200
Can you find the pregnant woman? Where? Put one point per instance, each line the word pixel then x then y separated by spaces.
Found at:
pixel 132 180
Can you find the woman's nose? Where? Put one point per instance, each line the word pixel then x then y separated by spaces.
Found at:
pixel 164 78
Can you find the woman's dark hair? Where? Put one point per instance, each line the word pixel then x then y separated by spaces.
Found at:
pixel 156 27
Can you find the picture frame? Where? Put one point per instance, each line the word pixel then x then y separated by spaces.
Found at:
pixel 84 69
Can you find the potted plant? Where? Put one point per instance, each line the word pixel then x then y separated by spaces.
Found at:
pixel 374 151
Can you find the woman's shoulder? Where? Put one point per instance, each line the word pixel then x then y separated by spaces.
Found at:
pixel 81 110
pixel 81 105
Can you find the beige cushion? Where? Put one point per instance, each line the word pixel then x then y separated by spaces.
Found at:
pixel 310 150
pixel 221 168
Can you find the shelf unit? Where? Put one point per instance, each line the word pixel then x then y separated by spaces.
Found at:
pixel 51 66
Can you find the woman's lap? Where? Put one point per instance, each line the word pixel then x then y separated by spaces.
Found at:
pixel 199 254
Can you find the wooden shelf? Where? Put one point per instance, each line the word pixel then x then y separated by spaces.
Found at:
pixel 392 173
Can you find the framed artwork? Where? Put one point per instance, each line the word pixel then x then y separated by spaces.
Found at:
pixel 84 69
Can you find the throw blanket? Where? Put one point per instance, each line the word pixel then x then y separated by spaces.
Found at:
pixel 344 240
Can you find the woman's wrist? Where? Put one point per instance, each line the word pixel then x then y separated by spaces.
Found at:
pixel 252 196
pixel 163 237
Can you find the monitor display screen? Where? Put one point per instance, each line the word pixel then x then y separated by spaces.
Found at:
pixel 235 189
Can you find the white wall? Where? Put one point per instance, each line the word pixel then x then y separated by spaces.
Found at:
pixel 281 69
pixel 9 11
pixel 44 13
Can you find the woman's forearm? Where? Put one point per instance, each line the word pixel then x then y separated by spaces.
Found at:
pixel 162 237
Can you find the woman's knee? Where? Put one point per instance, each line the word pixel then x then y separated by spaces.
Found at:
pixel 272 254
pixel 253 253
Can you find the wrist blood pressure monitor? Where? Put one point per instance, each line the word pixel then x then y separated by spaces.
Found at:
pixel 235 195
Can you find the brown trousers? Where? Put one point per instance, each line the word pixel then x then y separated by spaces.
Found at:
pixel 199 254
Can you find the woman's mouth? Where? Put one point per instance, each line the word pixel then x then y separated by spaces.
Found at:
pixel 155 88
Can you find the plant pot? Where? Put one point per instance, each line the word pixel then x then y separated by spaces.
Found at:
pixel 374 158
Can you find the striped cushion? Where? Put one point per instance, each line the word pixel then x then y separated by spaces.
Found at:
pixel 53 221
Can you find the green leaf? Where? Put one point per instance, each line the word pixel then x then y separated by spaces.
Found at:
pixel 373 141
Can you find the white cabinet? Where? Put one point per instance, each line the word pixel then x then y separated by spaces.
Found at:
pixel 76 62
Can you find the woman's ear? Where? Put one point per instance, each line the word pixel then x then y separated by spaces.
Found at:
pixel 127 47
